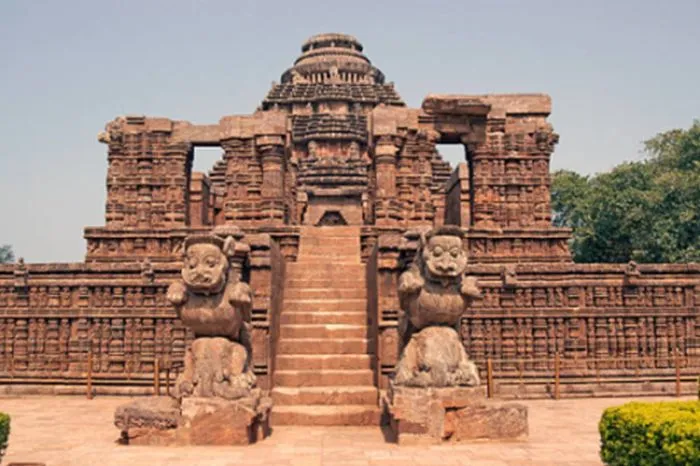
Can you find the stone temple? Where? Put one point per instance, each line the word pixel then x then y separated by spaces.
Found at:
pixel 330 182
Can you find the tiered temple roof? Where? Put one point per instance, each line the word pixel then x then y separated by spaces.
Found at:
pixel 328 126
pixel 332 67
pixel 312 92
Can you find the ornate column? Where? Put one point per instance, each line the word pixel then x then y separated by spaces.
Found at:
pixel 386 205
pixel 113 137
pixel 179 166
pixel 385 158
pixel 544 141
pixel 483 199
pixel 271 153
pixel 384 264
pixel 240 197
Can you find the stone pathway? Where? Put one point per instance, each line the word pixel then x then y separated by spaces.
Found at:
pixel 74 431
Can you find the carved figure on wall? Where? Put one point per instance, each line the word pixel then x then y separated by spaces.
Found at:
pixel 213 302
pixel 334 76
pixel 147 271
pixel 632 273
pixel 509 276
pixel 113 131
pixel 298 78
pixel 20 274
pixel 434 293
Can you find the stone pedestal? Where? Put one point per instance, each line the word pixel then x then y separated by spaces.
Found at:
pixel 194 421
pixel 420 415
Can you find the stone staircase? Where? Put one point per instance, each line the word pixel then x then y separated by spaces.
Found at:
pixel 323 372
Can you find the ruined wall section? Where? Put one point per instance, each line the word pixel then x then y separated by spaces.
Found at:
pixel 414 179
pixel 510 184
pixel 411 175
pixel 148 182
pixel 147 178
pixel 255 148
pixel 511 167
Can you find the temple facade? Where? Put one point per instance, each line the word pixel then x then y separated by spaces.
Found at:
pixel 331 181
pixel 334 144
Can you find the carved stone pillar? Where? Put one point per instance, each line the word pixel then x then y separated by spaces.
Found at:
pixel 484 198
pixel 271 152
pixel 240 199
pixel 385 152
pixel 385 266
pixel 179 165
pixel 385 158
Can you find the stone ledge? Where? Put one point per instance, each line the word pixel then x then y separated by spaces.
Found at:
pixel 459 414
pixel 196 421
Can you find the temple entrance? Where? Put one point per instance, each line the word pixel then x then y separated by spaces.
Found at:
pixel 333 211
pixel 331 218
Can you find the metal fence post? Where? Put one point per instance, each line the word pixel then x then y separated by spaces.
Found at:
pixel 89 371
pixel 557 370
pixel 156 376
pixel 676 363
pixel 489 378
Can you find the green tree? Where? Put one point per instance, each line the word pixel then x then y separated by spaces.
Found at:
pixel 6 254
pixel 647 211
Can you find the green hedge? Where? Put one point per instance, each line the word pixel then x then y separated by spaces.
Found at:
pixel 664 433
pixel 4 432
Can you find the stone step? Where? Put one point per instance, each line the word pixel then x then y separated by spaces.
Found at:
pixel 318 415
pixel 318 317
pixel 358 292
pixel 350 395
pixel 335 234
pixel 324 269
pixel 334 331
pixel 323 361
pixel 331 244
pixel 325 282
pixel 320 346
pixel 311 260
pixel 301 305
pixel 329 251
pixel 340 231
pixel 323 377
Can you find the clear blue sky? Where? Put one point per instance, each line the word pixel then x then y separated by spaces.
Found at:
pixel 618 73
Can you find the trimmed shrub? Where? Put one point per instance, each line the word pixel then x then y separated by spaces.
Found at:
pixel 663 433
pixel 4 432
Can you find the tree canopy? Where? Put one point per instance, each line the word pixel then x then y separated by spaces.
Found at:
pixel 6 254
pixel 646 211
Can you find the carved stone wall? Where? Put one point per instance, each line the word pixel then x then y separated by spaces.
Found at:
pixel 147 177
pixel 52 316
pixel 243 181
pixel 605 323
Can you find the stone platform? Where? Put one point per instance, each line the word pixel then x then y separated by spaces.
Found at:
pixel 165 421
pixel 453 414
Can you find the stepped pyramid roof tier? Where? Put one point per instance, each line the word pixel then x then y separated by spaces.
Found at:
pixel 332 67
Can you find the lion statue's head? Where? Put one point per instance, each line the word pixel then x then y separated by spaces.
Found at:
pixel 206 263
pixel 442 254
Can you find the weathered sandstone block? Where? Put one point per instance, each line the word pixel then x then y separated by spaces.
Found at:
pixel 196 421
pixel 455 414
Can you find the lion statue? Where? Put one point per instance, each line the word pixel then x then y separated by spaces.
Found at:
pixel 434 293
pixel 215 304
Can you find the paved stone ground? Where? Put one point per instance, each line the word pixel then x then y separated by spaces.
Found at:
pixel 75 431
